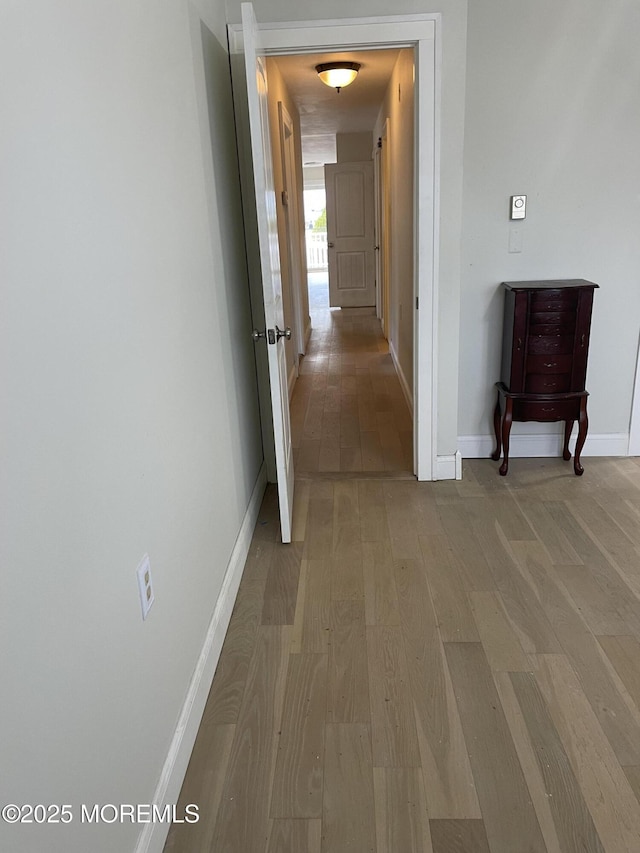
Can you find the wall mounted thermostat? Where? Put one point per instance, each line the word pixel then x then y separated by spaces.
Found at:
pixel 518 206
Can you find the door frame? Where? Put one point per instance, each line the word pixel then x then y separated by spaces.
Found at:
pixel 377 200
pixel 385 226
pixel 423 34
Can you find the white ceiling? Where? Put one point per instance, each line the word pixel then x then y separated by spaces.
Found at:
pixel 325 112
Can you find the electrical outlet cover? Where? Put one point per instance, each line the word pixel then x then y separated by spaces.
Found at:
pixel 145 586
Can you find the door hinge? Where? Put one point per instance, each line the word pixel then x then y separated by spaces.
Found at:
pixel 417 302
pixel 285 198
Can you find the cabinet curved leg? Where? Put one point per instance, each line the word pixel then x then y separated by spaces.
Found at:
pixel 583 423
pixel 496 426
pixel 568 426
pixel 506 431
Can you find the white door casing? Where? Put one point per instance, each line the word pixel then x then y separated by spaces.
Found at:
pixel 350 234
pixel 634 425
pixel 385 231
pixel 377 197
pixel 269 262
pixel 423 33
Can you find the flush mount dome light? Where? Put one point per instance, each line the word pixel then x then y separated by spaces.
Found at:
pixel 337 75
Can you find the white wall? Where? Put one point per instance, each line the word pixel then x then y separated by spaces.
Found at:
pixel 354 147
pixel 313 177
pixel 129 414
pixel 552 112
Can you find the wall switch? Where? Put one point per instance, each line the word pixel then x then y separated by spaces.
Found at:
pixel 515 240
pixel 518 206
pixel 145 586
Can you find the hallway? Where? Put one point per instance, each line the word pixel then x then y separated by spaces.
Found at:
pixel 445 667
pixel 348 411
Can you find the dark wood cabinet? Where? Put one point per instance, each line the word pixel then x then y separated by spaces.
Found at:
pixel 544 359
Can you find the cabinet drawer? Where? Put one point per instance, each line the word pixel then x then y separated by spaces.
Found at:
pixel 562 319
pixel 551 383
pixel 550 344
pixel 546 364
pixel 560 329
pixel 554 300
pixel 546 410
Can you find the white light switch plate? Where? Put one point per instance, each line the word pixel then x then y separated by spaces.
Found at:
pixel 518 206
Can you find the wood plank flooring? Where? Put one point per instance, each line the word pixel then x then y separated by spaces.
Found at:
pixel 430 667
pixel 348 410
pixel 387 688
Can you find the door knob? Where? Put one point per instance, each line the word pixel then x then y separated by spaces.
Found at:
pixel 286 333
pixel 256 335
pixel 330 245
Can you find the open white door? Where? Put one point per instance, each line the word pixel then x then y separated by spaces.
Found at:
pixel 350 234
pixel 270 263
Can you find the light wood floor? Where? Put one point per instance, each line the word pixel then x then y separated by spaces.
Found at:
pixel 444 667
pixel 348 411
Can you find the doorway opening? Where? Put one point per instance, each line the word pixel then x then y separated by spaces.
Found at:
pixel 420 33
pixel 351 407
pixel 315 219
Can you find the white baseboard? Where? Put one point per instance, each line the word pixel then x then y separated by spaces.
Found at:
pixel 154 835
pixel 291 379
pixel 545 444
pixel 408 394
pixel 458 465
pixel 448 467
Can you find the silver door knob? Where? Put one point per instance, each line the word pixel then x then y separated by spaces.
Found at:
pixel 256 335
pixel 330 245
pixel 286 333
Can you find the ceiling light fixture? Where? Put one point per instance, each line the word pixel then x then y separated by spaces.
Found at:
pixel 337 75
